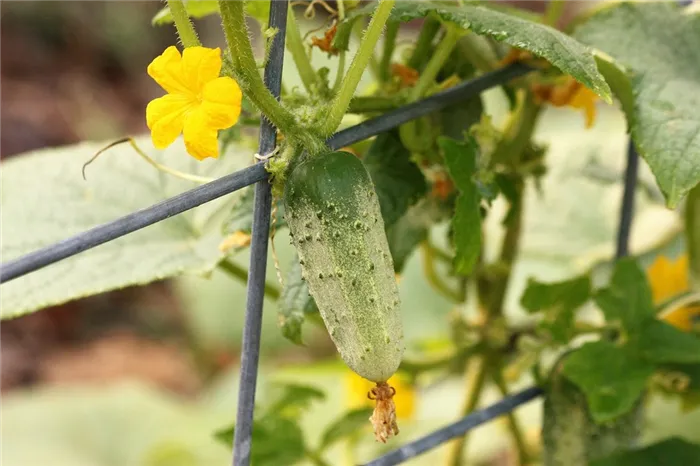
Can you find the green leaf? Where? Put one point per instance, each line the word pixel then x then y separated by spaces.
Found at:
pixel 296 303
pixel 692 233
pixel 611 377
pixel 559 302
pixel 664 71
pixel 672 451
pixel 412 229
pixel 345 426
pixel 460 158
pixel 276 441
pixel 628 297
pixel 660 342
pixel 562 51
pixel 45 200
pixel 293 399
pixel 398 181
pixel 457 119
pixel 260 10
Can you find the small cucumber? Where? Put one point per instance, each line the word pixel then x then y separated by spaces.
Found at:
pixel 570 435
pixel 336 225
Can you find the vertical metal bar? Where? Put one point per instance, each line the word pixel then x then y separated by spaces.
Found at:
pixel 627 208
pixel 250 352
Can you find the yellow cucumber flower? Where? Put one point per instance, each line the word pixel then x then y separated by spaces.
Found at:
pixel 198 102
pixel 669 279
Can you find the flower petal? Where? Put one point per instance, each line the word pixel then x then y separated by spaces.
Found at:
pixel 165 117
pixel 222 102
pixel 199 66
pixel 166 70
pixel 200 137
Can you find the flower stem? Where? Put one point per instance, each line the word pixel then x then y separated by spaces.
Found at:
pixel 340 103
pixel 236 271
pixel 185 29
pixel 392 30
pixel 440 56
pixel 295 45
pixel 340 71
pixel 245 69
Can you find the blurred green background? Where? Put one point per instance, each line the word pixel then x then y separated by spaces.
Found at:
pixel 144 376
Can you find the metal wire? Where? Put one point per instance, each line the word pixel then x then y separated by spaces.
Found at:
pixel 250 347
pixel 230 183
pixel 627 208
pixel 457 429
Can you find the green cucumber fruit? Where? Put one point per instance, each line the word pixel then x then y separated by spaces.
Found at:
pixel 570 435
pixel 336 225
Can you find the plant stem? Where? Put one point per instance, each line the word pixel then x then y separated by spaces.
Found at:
pixel 433 278
pixel 372 104
pixel 332 119
pixel 185 29
pixel 340 71
pixel 513 425
pixel 554 10
pixel 437 60
pixel 475 385
pixel 295 45
pixel 314 456
pixel 246 73
pixel 424 43
pixel 238 272
pixel 476 50
pixel 392 30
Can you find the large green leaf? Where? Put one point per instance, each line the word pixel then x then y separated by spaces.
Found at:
pixel 611 377
pixel 559 302
pixel 663 343
pixel 460 158
pixel 628 297
pixel 659 46
pixel 562 51
pixel 398 181
pixel 673 451
pixel 45 200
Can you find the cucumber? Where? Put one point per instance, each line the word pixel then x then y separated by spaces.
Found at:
pixel 336 225
pixel 570 435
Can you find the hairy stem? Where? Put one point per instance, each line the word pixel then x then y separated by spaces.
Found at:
pixel 245 69
pixel 340 103
pixel 236 271
pixel 340 72
pixel 185 29
pixel 424 44
pixel 372 104
pixel 392 30
pixel 295 45
pixel 433 278
pixel 437 60
pixel 475 385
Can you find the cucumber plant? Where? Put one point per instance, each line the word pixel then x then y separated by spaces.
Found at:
pixel 355 215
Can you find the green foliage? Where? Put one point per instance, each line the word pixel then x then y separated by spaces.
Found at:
pixel 296 303
pixel 119 183
pixel 345 426
pixel 692 232
pixel 612 377
pixel 195 9
pixel 398 181
pixel 660 342
pixel 562 51
pixel 559 303
pixel 671 451
pixel 460 158
pixel 664 71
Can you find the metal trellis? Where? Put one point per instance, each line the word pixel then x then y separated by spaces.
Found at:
pixel 257 175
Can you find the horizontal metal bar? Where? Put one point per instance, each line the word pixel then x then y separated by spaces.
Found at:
pixel 228 184
pixel 459 428
pixel 423 107
pixel 132 222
